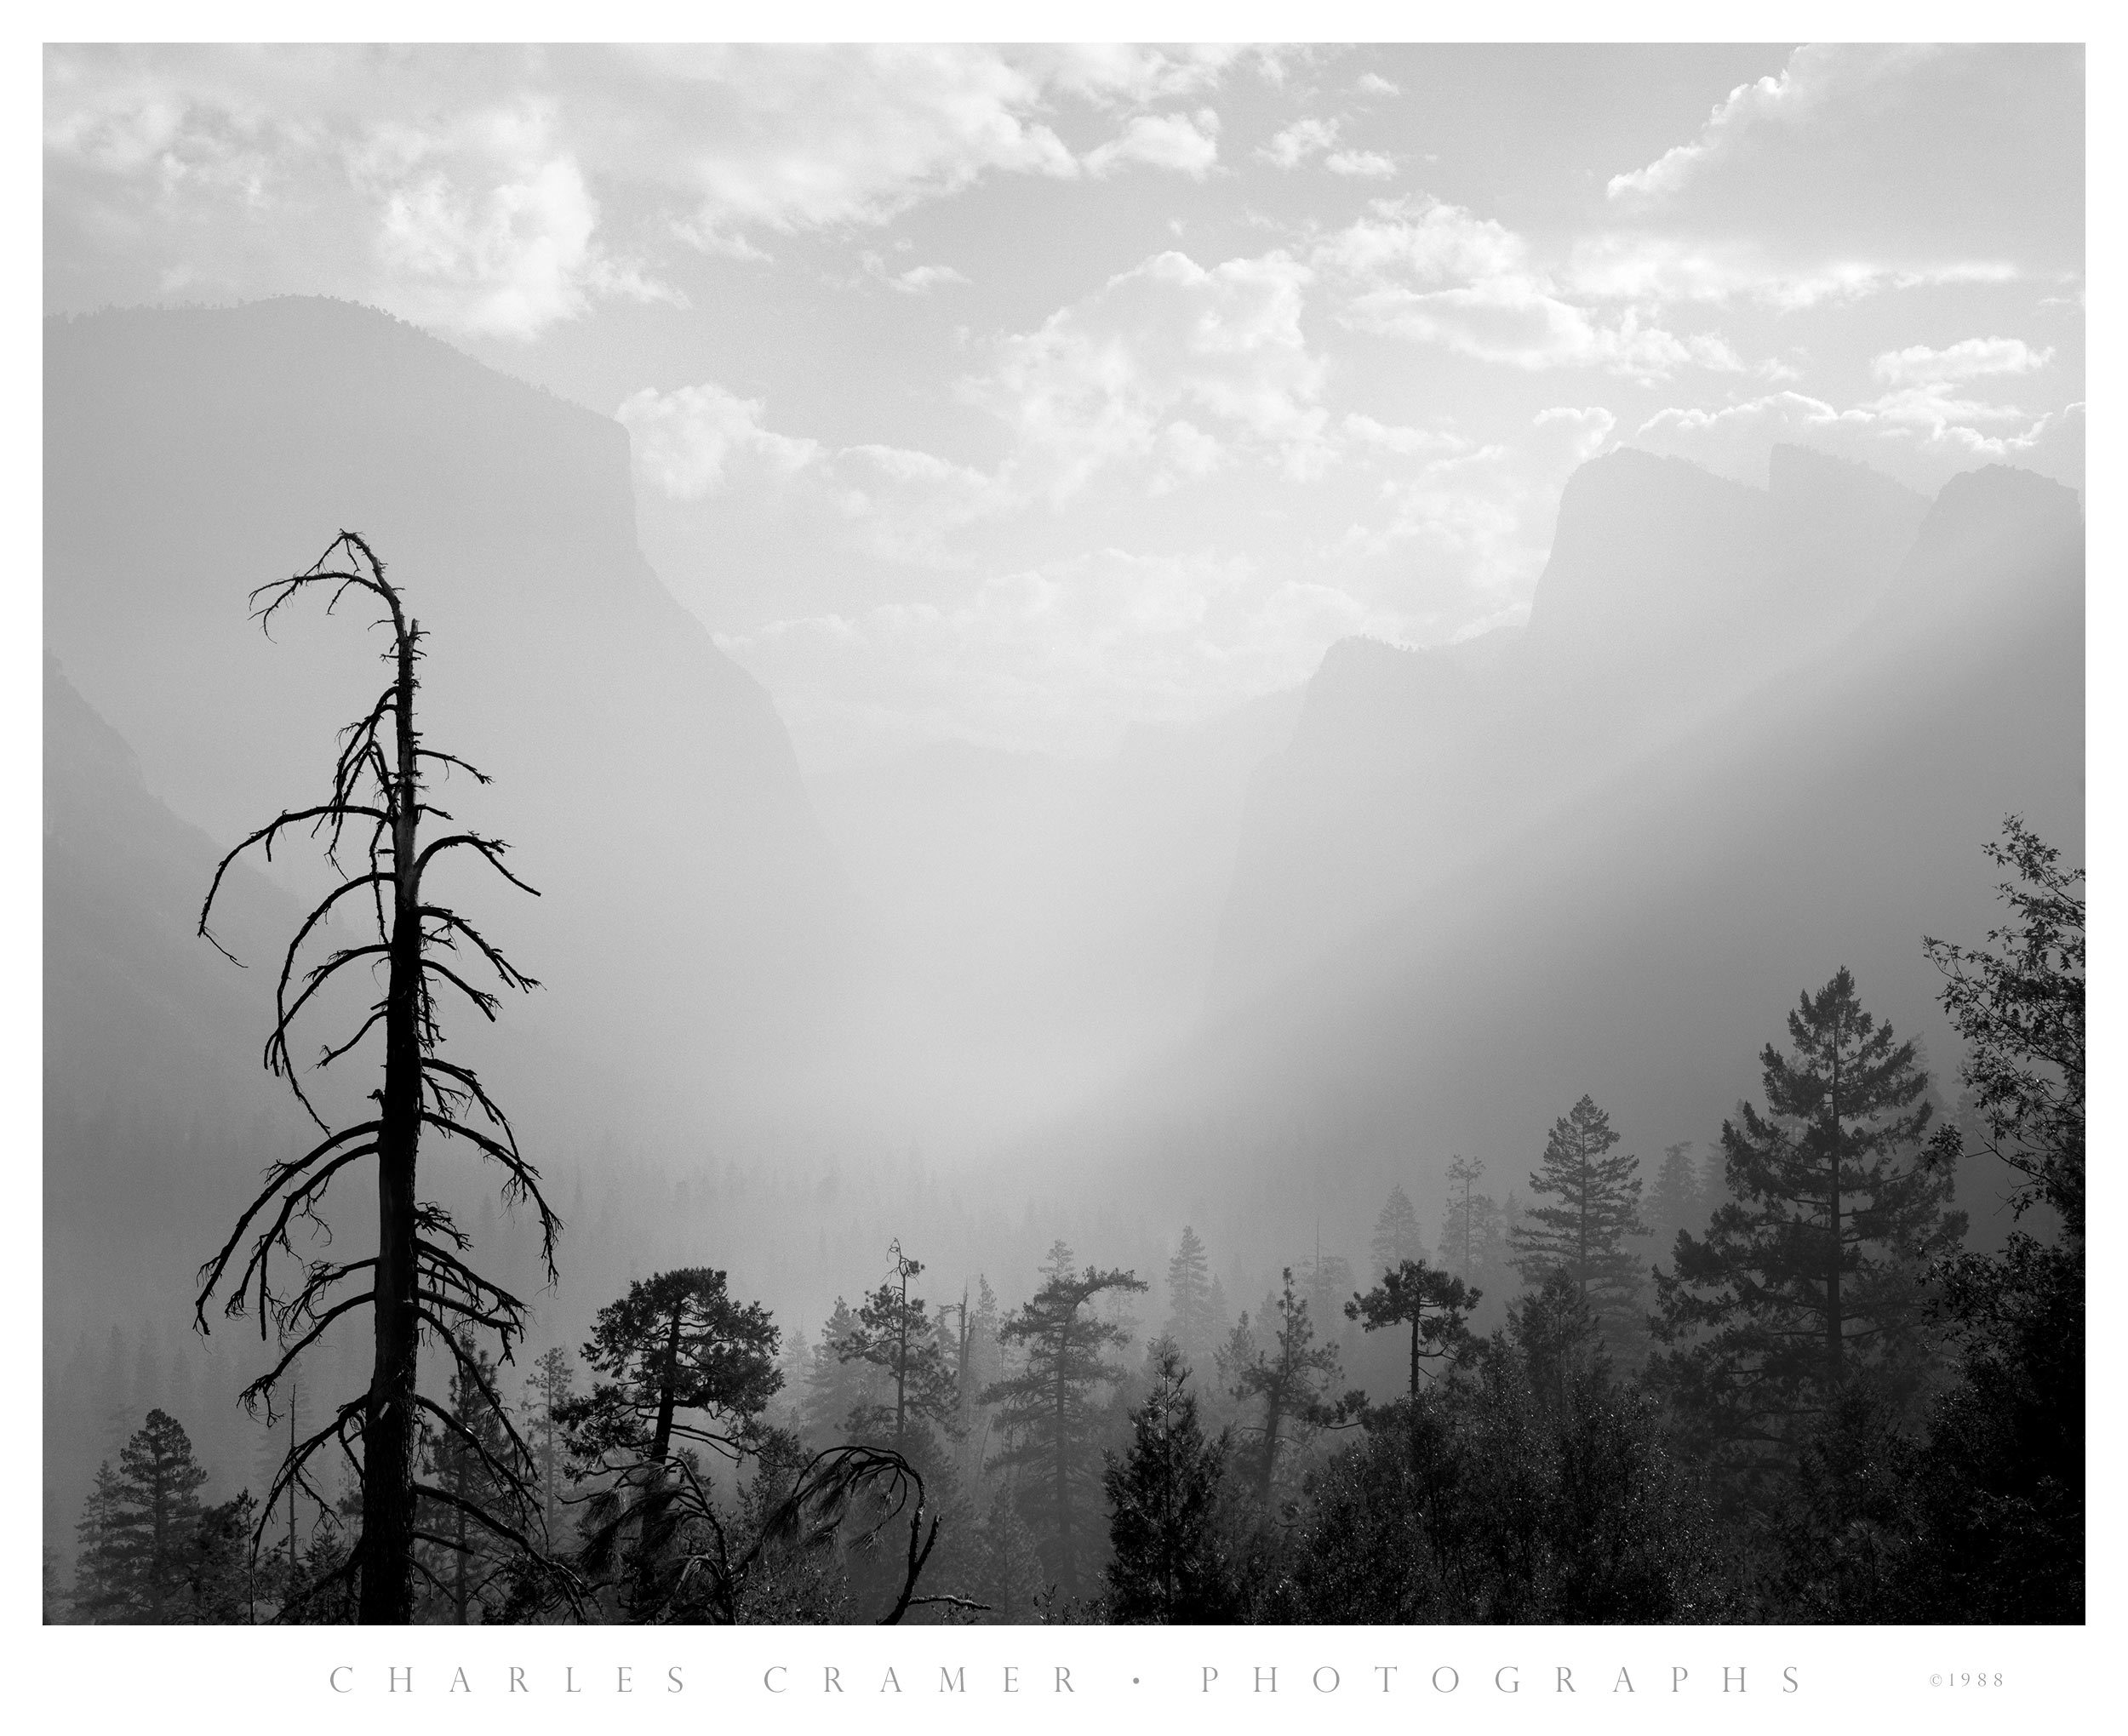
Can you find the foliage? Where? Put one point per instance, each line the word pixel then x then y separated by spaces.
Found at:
pixel 1291 1377
pixel 1191 1322
pixel 1813 1274
pixel 688 1370
pixel 893 1333
pixel 1049 1410
pixel 1595 1208
pixel 1167 1565
pixel 1433 1304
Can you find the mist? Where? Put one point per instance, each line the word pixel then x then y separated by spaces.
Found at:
pixel 1262 939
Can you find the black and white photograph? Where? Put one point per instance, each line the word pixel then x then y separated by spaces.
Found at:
pixel 915 837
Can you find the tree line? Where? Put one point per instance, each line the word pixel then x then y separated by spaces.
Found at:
pixel 1813 1402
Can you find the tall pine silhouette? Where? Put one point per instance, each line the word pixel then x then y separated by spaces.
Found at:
pixel 1589 1207
pixel 1811 1276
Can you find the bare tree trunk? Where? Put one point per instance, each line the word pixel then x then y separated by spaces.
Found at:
pixel 388 1429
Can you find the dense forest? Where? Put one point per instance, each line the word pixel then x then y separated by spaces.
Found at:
pixel 1767 1381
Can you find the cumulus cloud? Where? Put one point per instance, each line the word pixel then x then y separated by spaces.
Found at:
pixel 1291 146
pixel 472 182
pixel 1816 77
pixel 685 441
pixel 1436 273
pixel 698 443
pixel 1184 143
pixel 1972 359
pixel 1134 75
pixel 1169 339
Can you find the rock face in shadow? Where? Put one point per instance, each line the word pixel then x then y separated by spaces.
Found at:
pixel 693 916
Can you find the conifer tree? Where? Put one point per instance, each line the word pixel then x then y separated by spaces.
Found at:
pixel 689 1371
pixel 893 1333
pixel 1473 1234
pixel 139 1529
pixel 461 1562
pixel 1326 1279
pixel 1674 1202
pixel 1163 1502
pixel 1813 1274
pixel 1049 1411
pixel 549 1387
pixel 1007 1575
pixel 1593 1206
pixel 1397 1236
pixel 1432 1303
pixel 1291 1376
pixel 1191 1322
pixel 836 1389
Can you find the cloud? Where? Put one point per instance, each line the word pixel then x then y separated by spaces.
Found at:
pixel 1862 163
pixel 1376 85
pixel 1920 433
pixel 1293 145
pixel 1815 78
pixel 1367 163
pixel 1435 273
pixel 1137 75
pixel 1972 359
pixel 509 260
pixel 1222 348
pixel 1589 429
pixel 1658 270
pixel 917 279
pixel 685 441
pixel 1188 144
pixel 237 172
pixel 470 187
pixel 700 444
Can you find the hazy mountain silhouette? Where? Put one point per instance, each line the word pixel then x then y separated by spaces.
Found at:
pixel 694 918
pixel 1465 897
pixel 1668 593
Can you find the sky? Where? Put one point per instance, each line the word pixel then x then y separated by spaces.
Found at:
pixel 1020 395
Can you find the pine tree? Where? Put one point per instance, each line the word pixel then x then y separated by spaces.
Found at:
pixel 1326 1279
pixel 689 1371
pixel 836 1389
pixel 460 1559
pixel 1163 1501
pixel 893 1333
pixel 1008 1567
pixel 1583 1233
pixel 1812 1276
pixel 1432 1303
pixel 1049 1411
pixel 1473 1236
pixel 1397 1236
pixel 138 1529
pixel 549 1387
pixel 1673 1203
pixel 1191 1322
pixel 1290 1376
